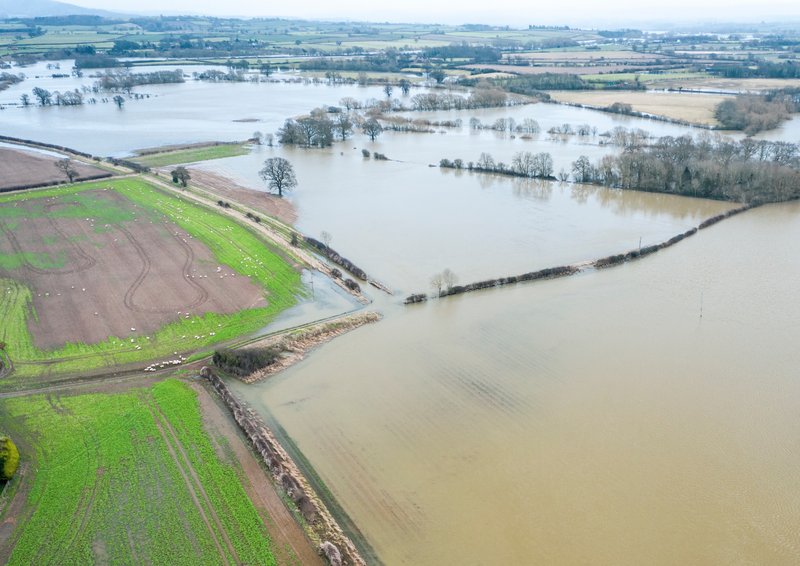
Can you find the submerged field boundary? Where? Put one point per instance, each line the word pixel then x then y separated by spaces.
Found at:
pixel 572 269
pixel 317 521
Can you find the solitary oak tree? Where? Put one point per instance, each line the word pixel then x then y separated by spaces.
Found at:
pixel 279 175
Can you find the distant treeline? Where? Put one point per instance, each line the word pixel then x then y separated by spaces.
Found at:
pixel 95 61
pixel 388 61
pixel 478 98
pixel 761 69
pixel 125 80
pixel 749 171
pixel 474 53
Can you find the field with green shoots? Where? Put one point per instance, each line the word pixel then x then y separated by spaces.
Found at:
pixel 191 155
pixel 129 478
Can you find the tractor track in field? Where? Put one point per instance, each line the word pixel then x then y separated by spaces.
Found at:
pixel 193 483
pixel 147 265
pixel 29 266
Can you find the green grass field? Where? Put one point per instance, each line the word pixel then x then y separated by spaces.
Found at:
pixel 191 155
pixel 130 478
pixel 231 243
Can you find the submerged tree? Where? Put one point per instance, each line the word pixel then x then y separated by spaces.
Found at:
pixel 44 96
pixel 279 175
pixel 372 128
pixel 119 101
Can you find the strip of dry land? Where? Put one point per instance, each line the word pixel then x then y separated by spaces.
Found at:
pixel 692 108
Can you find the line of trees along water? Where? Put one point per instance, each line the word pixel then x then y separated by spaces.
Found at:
pixel 748 171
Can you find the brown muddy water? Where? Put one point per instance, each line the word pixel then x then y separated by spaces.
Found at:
pixel 404 221
pixel 591 420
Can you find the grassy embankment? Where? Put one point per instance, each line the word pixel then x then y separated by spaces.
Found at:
pixel 132 477
pixel 231 243
pixel 191 155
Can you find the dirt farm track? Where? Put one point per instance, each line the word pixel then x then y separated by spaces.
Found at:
pixel 21 168
pixel 99 265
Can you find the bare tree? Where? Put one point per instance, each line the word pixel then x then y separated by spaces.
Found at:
pixel 405 86
pixel 119 101
pixel 372 128
pixel 278 173
pixel 449 278
pixel 326 237
pixel 25 100
pixel 437 282
pixel 42 95
pixel 350 103
pixel 258 137
pixel 67 168
pixel 388 90
pixel 344 125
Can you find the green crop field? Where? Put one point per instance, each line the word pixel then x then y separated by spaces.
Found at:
pixel 130 478
pixel 231 243
pixel 191 155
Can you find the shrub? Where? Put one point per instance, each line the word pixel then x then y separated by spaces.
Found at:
pixel 245 362
pixel 9 458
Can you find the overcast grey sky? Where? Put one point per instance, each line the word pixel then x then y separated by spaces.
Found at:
pixel 511 12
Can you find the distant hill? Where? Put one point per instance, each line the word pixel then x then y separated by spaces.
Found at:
pixel 39 8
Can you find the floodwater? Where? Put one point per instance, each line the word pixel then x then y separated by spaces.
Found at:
pixel 193 111
pixel 596 419
pixel 402 222
pixel 591 420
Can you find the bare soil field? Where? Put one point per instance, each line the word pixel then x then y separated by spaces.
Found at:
pixel 22 169
pixel 695 108
pixel 226 189
pixel 127 278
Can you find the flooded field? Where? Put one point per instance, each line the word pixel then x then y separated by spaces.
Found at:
pixel 597 419
pixel 189 112
pixel 404 221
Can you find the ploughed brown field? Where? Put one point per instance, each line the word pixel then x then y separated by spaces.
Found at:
pixel 92 280
pixel 21 169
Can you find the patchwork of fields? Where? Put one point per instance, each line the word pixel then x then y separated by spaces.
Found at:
pixel 114 272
